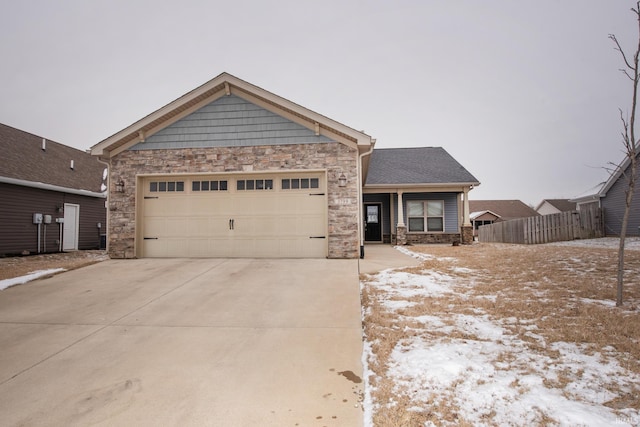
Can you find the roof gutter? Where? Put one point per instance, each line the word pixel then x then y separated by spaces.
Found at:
pixel 51 187
pixel 360 197
pixel 423 185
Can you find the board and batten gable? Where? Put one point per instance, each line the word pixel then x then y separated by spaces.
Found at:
pixel 231 136
pixel 230 121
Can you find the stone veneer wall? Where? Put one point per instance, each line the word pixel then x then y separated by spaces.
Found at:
pixel 335 157
pixel 416 239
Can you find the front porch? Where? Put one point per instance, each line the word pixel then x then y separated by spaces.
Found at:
pixel 401 218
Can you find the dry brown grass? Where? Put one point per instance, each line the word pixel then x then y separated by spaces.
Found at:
pixel 18 266
pixel 566 292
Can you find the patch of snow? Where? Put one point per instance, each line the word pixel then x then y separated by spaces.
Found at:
pixel 461 270
pixel 480 327
pixel 6 283
pixel 421 256
pixel 606 303
pixel 631 243
pixel 410 285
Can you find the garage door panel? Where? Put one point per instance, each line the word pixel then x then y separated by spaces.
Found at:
pixel 210 205
pixel 207 226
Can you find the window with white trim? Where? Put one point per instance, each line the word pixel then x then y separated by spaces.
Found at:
pixel 425 215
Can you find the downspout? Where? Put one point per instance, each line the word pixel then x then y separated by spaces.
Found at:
pixel 360 196
pixel 107 216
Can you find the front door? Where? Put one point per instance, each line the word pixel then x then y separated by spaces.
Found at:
pixel 373 223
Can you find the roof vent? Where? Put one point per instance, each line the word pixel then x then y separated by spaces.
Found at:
pixel 71 165
pixel 44 144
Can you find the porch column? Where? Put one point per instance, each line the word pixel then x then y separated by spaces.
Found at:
pixel 400 210
pixel 401 229
pixel 467 228
pixel 466 221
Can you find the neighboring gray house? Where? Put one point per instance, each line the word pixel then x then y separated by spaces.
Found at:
pixel 232 170
pixel 50 196
pixel 611 199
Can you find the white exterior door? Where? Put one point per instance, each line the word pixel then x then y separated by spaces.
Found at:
pixel 71 227
pixel 252 216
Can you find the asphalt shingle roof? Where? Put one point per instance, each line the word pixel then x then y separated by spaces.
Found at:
pixel 507 209
pixel 424 165
pixel 563 205
pixel 22 157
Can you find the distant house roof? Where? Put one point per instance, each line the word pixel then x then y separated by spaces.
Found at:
pixel 505 209
pixel 486 214
pixel 563 205
pixel 23 161
pixel 424 165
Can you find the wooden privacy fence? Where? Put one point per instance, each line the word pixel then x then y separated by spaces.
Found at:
pixel 560 227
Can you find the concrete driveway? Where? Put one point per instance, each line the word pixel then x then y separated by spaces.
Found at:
pixel 228 342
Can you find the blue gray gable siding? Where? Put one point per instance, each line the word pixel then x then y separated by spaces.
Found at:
pixel 230 121
pixel 613 204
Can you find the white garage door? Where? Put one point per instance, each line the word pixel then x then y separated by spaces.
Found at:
pixel 253 216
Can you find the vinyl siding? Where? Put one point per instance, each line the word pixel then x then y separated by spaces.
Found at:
pixel 18 233
pixel 230 121
pixel 613 205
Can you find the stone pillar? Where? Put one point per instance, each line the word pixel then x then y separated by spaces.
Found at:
pixel 467 234
pixel 402 235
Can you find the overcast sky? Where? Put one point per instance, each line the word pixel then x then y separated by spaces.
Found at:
pixel 525 94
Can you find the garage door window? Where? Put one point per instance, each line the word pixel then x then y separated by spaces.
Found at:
pixel 162 186
pixel 300 183
pixel 209 186
pixel 254 184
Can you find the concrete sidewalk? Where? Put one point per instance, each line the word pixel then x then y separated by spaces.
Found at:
pixel 381 257
pixel 186 342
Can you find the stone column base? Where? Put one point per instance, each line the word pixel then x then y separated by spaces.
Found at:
pixel 467 234
pixel 401 238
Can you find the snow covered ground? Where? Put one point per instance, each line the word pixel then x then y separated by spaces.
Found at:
pixel 476 363
pixel 6 283
pixel 631 243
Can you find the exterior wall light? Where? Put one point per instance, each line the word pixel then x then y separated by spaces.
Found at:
pixel 120 186
pixel 342 181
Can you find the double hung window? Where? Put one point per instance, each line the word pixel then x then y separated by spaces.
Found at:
pixel 425 215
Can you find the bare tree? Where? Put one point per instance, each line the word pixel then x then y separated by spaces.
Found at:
pixel 630 147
